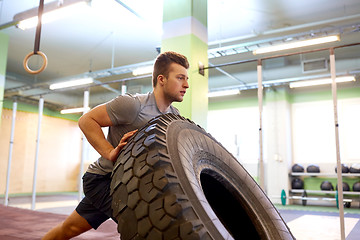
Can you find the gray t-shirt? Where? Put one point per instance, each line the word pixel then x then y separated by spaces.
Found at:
pixel 127 113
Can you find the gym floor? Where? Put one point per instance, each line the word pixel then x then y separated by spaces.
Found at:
pixel 18 222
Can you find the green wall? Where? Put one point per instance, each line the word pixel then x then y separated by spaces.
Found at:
pixel 249 98
pixel 324 95
pixel 314 183
pixel 4 42
pixel 185 31
pixel 24 107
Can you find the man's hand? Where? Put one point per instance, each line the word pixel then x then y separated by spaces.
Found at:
pixel 115 152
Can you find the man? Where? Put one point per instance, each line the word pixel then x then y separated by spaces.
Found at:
pixel 123 115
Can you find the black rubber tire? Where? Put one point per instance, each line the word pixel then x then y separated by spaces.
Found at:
pixel 174 181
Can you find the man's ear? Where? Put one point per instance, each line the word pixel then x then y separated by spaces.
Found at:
pixel 160 79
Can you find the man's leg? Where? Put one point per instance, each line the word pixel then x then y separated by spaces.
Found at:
pixel 73 225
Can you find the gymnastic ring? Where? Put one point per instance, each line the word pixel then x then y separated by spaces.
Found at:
pixel 26 60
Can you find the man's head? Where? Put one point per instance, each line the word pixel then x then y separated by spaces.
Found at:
pixel 163 62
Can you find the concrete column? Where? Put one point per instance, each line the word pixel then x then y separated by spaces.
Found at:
pixel 185 31
pixel 277 133
pixel 4 42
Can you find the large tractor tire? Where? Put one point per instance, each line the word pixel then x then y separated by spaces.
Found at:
pixel 174 181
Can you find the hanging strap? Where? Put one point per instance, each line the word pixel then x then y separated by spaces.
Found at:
pixel 38 27
pixel 37 44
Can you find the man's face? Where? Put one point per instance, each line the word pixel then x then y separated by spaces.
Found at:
pixel 176 83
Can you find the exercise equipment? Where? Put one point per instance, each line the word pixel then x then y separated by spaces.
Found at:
pixel 297 168
pixel 304 198
pixel 297 183
pixel 355 168
pixel 283 197
pixel 175 181
pixel 337 199
pixel 37 45
pixel 346 186
pixel 344 168
pixel 356 187
pixel 326 186
pixel 313 168
pixel 346 202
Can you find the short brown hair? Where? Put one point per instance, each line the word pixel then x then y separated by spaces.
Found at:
pixel 163 61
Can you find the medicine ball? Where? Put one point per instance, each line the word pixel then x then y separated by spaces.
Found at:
pixel 297 183
pixel 344 168
pixel 326 186
pixel 313 168
pixel 346 186
pixel 355 168
pixel 356 187
pixel 297 168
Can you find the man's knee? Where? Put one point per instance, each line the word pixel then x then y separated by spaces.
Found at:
pixel 71 229
pixel 74 225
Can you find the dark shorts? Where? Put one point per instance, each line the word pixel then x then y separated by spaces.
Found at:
pixel 95 207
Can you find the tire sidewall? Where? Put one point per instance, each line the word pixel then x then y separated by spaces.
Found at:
pixel 193 151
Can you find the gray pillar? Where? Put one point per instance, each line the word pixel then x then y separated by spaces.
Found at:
pixel 84 152
pixel 41 108
pixel 10 153
pixel 260 100
pixel 339 170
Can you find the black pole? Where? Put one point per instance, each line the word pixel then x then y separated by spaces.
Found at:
pixel 38 28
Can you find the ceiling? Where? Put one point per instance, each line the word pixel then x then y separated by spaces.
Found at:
pixel 107 40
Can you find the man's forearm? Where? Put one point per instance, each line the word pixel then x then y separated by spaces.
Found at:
pixel 95 136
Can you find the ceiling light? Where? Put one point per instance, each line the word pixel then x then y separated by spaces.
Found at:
pixel 75 110
pixel 142 70
pixel 52 12
pixel 303 43
pixel 224 93
pixel 321 81
pixel 73 83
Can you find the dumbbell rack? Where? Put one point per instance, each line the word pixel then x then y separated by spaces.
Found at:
pixel 293 193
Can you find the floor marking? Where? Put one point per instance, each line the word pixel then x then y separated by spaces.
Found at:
pixel 43 205
pixel 313 227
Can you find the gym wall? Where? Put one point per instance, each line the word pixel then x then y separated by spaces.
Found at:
pixel 59 153
pixel 4 41
pixel 234 122
pixel 237 130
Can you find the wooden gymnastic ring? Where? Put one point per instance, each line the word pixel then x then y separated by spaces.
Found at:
pixel 26 60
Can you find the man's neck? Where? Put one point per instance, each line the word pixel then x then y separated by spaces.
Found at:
pixel 162 103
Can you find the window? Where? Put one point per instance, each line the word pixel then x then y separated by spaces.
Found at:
pixel 237 130
pixel 314 133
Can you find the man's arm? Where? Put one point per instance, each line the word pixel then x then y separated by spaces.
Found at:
pixel 91 124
